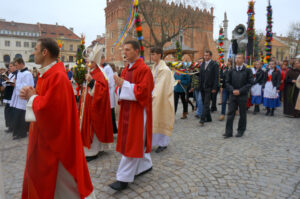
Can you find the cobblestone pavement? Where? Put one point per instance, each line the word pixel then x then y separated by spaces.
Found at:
pixel 198 163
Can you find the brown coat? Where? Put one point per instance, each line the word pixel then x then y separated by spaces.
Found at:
pixel 298 100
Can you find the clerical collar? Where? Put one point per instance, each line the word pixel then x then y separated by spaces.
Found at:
pixel 131 64
pixel 46 68
pixel 24 69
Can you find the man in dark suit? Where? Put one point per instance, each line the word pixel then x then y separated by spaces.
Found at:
pixel 238 82
pixel 208 80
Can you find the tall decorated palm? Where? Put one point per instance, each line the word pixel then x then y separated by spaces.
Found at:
pixel 80 68
pixel 269 34
pixel 251 33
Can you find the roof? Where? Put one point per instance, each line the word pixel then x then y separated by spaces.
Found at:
pixel 19 29
pixel 100 40
pixel 275 42
pixel 36 30
pixel 55 31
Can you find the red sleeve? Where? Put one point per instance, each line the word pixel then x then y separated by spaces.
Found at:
pixel 101 87
pixel 50 121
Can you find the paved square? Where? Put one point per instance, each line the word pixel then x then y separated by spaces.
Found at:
pixel 198 163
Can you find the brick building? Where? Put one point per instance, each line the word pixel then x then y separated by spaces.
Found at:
pixel 199 38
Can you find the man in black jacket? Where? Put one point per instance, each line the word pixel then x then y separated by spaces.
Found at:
pixel 208 79
pixel 238 82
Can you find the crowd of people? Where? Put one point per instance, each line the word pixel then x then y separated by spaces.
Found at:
pixel 271 85
pixel 65 134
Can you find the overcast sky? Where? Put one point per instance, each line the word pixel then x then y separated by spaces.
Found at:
pixel 88 16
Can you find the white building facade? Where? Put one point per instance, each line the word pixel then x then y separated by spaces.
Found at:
pixel 17 40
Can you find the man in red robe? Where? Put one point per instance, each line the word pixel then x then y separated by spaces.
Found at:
pixel 135 121
pixel 95 113
pixel 55 165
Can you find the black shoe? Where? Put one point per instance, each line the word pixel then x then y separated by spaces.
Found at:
pixel 17 137
pixel 239 135
pixel 160 149
pixel 227 136
pixel 201 123
pixel 213 109
pixel 90 158
pixel 118 185
pixel 268 111
pixel 272 112
pixel 197 116
pixel 8 130
pixel 144 172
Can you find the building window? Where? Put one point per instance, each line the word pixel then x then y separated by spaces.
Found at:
pixel 33 44
pixel 70 58
pixel 63 58
pixel 63 47
pixel 71 47
pixel 7 43
pixel 18 44
pixel 31 58
pixel 112 50
pixel 26 44
pixel 6 59
pixel 103 49
pixel 18 56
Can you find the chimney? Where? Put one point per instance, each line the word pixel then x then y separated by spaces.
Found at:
pixel 56 24
pixel 72 29
pixel 212 11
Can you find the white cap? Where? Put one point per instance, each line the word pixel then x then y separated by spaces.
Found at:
pixel 96 54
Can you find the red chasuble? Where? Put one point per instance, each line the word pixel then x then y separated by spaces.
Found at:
pixel 131 121
pixel 54 137
pixel 97 113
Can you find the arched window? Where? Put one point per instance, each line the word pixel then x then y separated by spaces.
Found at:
pixel 18 56
pixel 31 58
pixel 6 59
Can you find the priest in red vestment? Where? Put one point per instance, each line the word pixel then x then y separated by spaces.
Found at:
pixel 95 113
pixel 135 121
pixel 55 165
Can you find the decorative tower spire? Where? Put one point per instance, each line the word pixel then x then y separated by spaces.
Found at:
pixel 225 25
